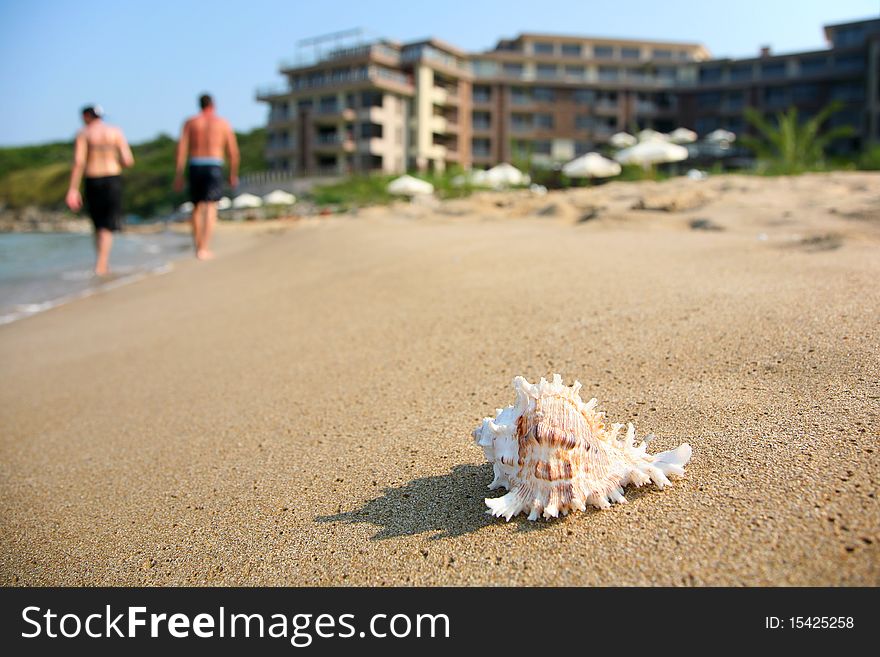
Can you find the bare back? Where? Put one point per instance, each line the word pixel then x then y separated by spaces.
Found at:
pixel 106 150
pixel 207 135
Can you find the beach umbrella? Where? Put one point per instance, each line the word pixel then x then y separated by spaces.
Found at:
pixel 409 186
pixel 538 190
pixel 591 165
pixel 622 140
pixel 682 136
pixel 279 197
pixel 246 201
pixel 720 136
pixel 186 208
pixel 479 178
pixel 224 203
pixel 652 135
pixel 505 175
pixel 649 153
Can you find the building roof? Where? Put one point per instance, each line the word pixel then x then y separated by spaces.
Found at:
pixel 873 23
pixel 603 40
pixel 439 44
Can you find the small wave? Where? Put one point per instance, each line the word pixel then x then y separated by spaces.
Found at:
pixel 123 276
pixel 77 275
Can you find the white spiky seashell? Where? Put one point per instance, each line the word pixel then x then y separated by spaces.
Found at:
pixel 552 452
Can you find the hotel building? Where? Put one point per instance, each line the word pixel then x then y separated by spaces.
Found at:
pixel 426 105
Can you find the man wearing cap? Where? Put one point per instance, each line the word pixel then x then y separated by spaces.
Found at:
pixel 206 139
pixel 100 151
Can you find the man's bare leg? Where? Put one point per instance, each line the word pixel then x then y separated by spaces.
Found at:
pixel 197 222
pixel 210 219
pixel 103 242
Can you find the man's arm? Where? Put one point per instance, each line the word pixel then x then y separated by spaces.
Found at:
pixel 182 150
pixel 126 158
pixel 234 155
pixel 74 198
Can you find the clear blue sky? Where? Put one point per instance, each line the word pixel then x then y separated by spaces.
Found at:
pixel 145 62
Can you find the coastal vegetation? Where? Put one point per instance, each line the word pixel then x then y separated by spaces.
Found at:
pixel 791 145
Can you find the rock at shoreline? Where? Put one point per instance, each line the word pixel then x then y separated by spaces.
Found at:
pixel 673 201
pixel 36 220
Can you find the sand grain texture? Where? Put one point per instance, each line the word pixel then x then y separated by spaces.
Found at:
pixel 298 411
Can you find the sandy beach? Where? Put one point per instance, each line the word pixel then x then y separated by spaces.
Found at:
pixel 298 411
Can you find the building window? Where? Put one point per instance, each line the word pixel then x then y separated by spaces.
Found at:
pixel 583 122
pixel 811 65
pixel 304 105
pixel 708 99
pixel 741 73
pixel 575 71
pixel 484 68
pixel 849 36
pixel 666 72
pixel 804 93
pixel 584 95
pixel 371 162
pixel 571 50
pixel 660 53
pixel 710 74
pixel 542 147
pixel 543 94
pixel 371 99
pixel 603 52
pixel 638 75
pixel 481 147
pixel 773 70
pixel 734 100
pixel 328 105
pixel 513 70
pixel 547 71
pixel 544 121
pixel 520 96
pixel 849 92
pixel 481 120
pixel 370 130
pixel 482 93
pixel 543 48
pixel 521 122
pixel 776 97
pixel 630 53
pixel 706 124
pixel 854 62
pixel 607 73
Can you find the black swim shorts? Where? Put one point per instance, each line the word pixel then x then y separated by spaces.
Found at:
pixel 104 201
pixel 205 182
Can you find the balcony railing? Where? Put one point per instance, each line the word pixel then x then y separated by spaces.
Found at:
pixel 358 75
pixel 361 50
pixel 328 138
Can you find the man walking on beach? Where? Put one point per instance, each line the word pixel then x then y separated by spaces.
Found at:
pixel 205 139
pixel 100 151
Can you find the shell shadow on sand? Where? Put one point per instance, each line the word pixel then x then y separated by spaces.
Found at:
pixel 446 506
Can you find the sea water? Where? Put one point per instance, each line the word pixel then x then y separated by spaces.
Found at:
pixel 41 270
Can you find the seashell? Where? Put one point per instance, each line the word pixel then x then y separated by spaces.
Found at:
pixel 554 454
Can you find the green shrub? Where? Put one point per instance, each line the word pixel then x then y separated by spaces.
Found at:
pixel 870 159
pixel 792 146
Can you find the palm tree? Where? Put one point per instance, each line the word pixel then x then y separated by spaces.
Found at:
pixel 791 146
